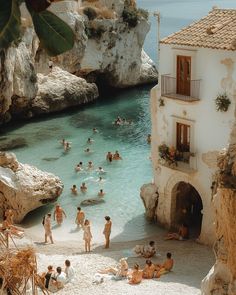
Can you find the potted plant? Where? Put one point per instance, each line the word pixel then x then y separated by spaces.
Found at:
pixel 222 102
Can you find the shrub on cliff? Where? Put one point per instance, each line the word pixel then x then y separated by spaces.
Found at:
pixel 130 16
pixel 143 13
pixel 94 33
pixel 90 12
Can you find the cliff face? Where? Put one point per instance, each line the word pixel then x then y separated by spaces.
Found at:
pixel 107 45
pixel 24 188
pixel 221 280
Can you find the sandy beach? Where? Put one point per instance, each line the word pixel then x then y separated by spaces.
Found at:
pixel 192 263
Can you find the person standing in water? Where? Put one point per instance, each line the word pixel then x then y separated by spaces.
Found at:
pixel 107 231
pixel 79 217
pixel 58 214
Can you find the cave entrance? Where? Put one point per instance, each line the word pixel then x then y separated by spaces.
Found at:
pixel 186 207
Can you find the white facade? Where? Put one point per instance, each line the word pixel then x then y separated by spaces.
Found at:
pixel 209 129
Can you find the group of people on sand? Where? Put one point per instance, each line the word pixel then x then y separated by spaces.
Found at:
pixel 136 274
pixel 54 280
pixel 81 222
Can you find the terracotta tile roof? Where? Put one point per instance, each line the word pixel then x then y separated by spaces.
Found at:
pixel 217 30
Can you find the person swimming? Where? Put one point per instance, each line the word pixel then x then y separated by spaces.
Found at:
pixel 90 165
pixel 100 170
pixel 109 157
pixel 74 190
pixel 78 167
pixel 117 156
pixel 67 146
pixel 95 130
pixel 83 188
pixel 90 141
pixel 88 151
pixel 101 193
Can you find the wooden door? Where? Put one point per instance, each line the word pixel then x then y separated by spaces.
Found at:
pixel 183 137
pixel 183 75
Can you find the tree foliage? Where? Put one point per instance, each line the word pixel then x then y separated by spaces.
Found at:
pixel 54 34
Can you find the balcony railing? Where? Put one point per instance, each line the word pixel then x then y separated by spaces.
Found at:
pixel 169 89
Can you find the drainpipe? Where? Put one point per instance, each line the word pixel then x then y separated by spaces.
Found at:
pixel 158 19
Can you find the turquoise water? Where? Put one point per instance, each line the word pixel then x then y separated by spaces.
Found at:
pixel 123 178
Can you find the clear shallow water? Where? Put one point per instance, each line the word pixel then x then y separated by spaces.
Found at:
pixel 123 179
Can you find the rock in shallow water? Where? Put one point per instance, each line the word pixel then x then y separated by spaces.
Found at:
pixel 15 143
pixel 24 188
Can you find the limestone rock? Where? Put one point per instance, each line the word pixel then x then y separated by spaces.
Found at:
pixel 24 188
pixel 107 49
pixel 221 280
pixel 59 90
pixel 149 196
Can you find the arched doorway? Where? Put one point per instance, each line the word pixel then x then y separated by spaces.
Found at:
pixel 186 207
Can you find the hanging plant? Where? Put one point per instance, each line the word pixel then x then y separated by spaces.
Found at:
pixel 161 102
pixel 222 102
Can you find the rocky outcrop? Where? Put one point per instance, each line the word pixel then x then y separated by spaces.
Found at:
pixel 24 188
pixel 149 196
pixel 221 280
pixel 59 90
pixel 107 47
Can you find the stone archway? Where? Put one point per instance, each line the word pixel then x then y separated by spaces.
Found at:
pixel 186 207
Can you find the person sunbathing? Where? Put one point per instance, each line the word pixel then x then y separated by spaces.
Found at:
pixel 183 234
pixel 166 267
pixel 147 251
pixel 136 275
pixel 149 269
pixel 120 271
pixel 8 228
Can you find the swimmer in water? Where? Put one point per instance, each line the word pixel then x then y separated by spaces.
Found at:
pixel 109 157
pixel 90 141
pixel 74 190
pixel 83 188
pixel 101 193
pixel 95 130
pixel 90 165
pixel 117 156
pixel 88 151
pixel 100 170
pixel 63 141
pixel 78 167
pixel 67 146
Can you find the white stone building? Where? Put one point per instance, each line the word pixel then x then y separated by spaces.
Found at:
pixel 197 64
